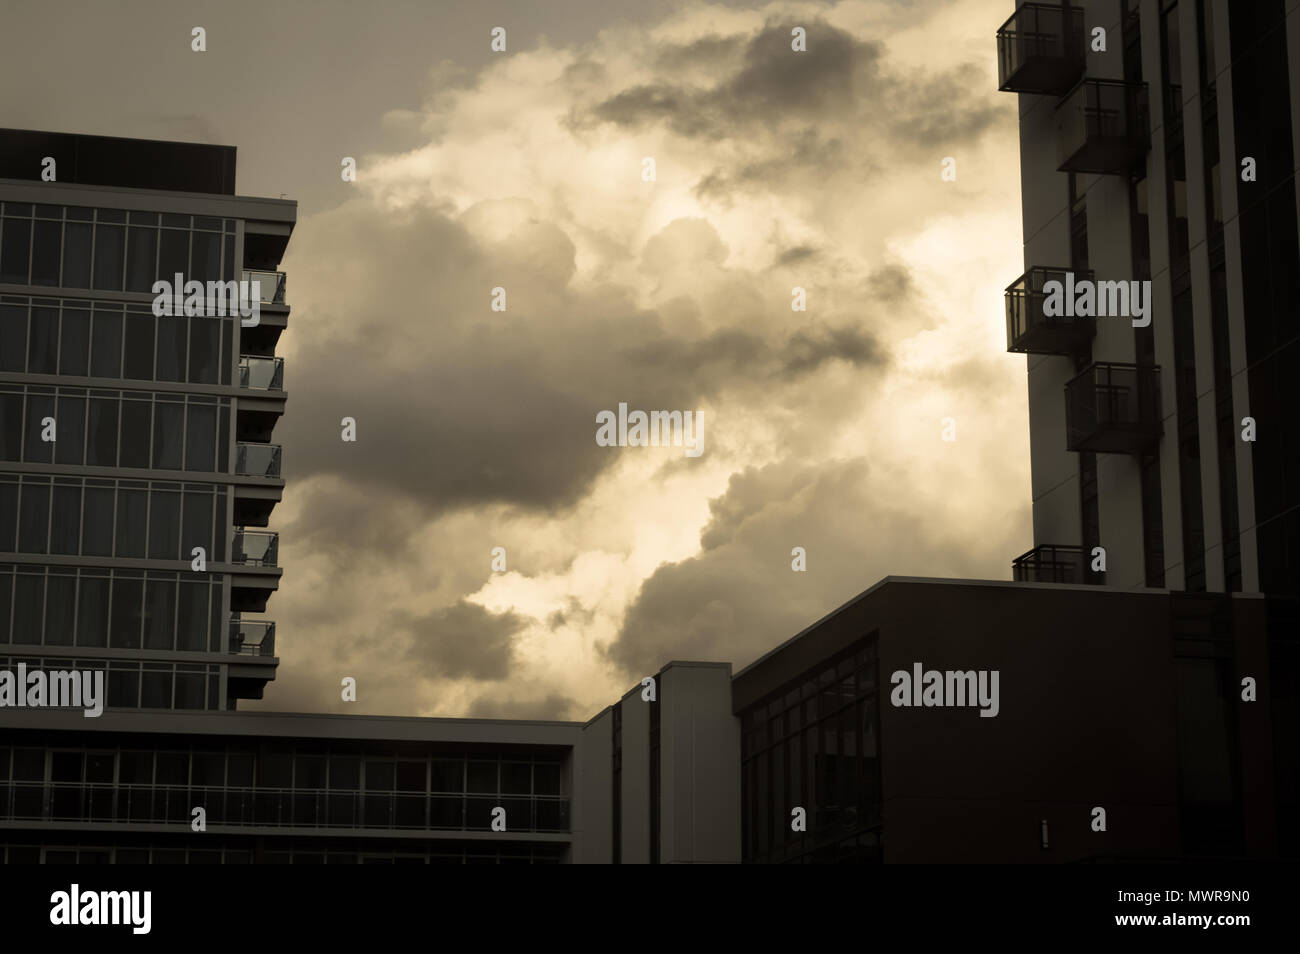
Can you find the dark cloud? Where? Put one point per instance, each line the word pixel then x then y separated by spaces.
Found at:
pixel 463 640
pixel 805 352
pixel 795 255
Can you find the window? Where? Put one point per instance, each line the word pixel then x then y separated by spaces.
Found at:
pixel 142 258
pixel 106 345
pixel 76 255
pixel 97 521
pixel 13 337
pixel 126 614
pixel 71 445
pixel 46 240
pixel 165 526
pixel 15 248
pixel 101 442
pixel 43 341
pixel 132 514
pixel 109 252
pixel 138 359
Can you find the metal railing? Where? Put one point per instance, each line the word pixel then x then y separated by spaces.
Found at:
pixel 1030 329
pixel 1113 408
pixel 257 460
pixel 1041 49
pixel 270 285
pixel 1050 563
pixel 1103 127
pixel 252 637
pixel 277 807
pixel 256 547
pixel 261 374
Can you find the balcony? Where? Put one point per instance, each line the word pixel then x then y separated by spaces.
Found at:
pixel 257 460
pixel 1041 49
pixel 1050 563
pixel 271 285
pixel 1113 409
pixel 1103 127
pixel 261 374
pixel 1030 330
pixel 256 548
pixel 252 637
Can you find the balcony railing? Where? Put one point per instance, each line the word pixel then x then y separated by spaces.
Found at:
pixel 1030 330
pixel 256 547
pixel 271 285
pixel 1041 49
pixel 252 637
pixel 1050 563
pixel 1103 127
pixel 257 460
pixel 261 374
pixel 1113 408
pixel 106 802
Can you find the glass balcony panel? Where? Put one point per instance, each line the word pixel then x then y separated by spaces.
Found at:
pixel 258 460
pixel 256 548
pixel 1113 409
pixel 252 637
pixel 270 285
pixel 1103 127
pixel 1030 330
pixel 261 374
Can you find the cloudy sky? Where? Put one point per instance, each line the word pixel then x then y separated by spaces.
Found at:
pixel 523 170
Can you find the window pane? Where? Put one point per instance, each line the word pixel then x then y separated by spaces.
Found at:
pixel 160 612
pixel 192 625
pixel 45 253
pixel 131 515
pixel 101 443
pixel 15 245
pixel 76 255
pixel 43 341
pixel 11 426
pixel 71 445
pixel 189 690
pixel 141 259
pixel 168 434
pixel 205 256
pixel 8 516
pixel 60 601
pixel 135 433
pixel 29 595
pixel 106 345
pixel 200 439
pixel 156 689
pixel 13 337
pixel 97 521
pixel 74 353
pixel 6 604
pixel 109 242
pixel 125 632
pixel 171 349
pixel 164 525
pixel 92 611
pixel 205 345
pixel 198 524
pixel 65 521
pixel 138 358
pixel 174 253
pixel 34 518
pixel 124 692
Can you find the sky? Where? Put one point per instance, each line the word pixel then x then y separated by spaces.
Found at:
pixel 883 430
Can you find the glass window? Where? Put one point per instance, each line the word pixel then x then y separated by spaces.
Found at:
pixel 168 435
pixel 173 254
pixel 345 773
pixel 189 690
pixel 156 690
pixel 205 346
pixel 60 602
pixel 74 352
pixel 76 255
pixel 275 770
pixel 546 778
pixel 135 433
pixel 239 770
pixel 164 525
pixel 516 778
pixel 15 246
pixel 36 448
pixel 29 598
pixel 43 341
pixel 13 337
pixel 206 256
pixel 198 524
pixel 192 624
pixel 141 259
pixel 160 613
pixel 71 445
pixel 124 692
pixel 65 521
pixel 171 349
pixel 109 250
pixel 97 522
pixel 138 356
pixel 127 614
pixel 173 768
pixel 11 426
pixel 6 604
pixel 482 776
pixel 200 441
pixel 106 345
pixel 208 768
pixel 132 512
pixel 33 518
pixel 45 252
pixel 380 775
pixel 410 776
pixel 101 443
pixel 8 515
